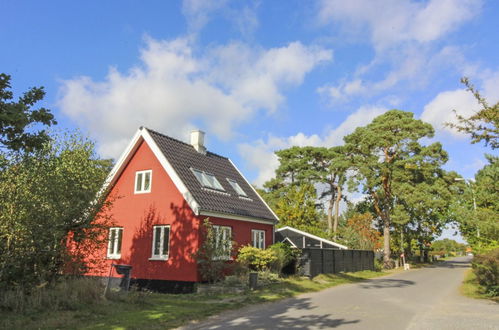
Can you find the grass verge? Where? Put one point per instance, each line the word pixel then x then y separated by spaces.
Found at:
pixel 471 288
pixel 142 310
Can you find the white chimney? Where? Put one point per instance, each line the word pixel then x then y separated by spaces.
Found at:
pixel 197 141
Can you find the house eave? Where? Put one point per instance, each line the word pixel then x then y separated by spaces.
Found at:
pixel 236 217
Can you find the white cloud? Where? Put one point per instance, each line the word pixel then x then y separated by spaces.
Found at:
pixel 173 90
pixel 403 34
pixel 260 154
pixel 390 22
pixel 440 110
pixel 198 12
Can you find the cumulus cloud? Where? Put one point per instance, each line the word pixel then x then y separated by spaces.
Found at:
pixel 260 154
pixel 403 35
pixel 176 88
pixel 390 22
pixel 440 110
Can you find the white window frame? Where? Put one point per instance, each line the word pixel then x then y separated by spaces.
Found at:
pixel 114 245
pixel 223 234
pixel 258 238
pixel 161 255
pixel 207 180
pixel 143 174
pixel 237 187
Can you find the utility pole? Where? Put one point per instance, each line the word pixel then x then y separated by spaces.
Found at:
pixel 468 183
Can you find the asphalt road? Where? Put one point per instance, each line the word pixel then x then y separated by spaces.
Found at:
pixel 417 299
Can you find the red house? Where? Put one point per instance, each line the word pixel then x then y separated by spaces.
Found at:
pixel 165 189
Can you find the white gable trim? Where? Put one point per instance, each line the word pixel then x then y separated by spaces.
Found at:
pixel 322 240
pixel 254 190
pixel 143 135
pixel 289 241
pixel 171 172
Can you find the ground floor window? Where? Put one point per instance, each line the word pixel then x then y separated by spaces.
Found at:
pixel 223 241
pixel 258 238
pixel 160 242
pixel 114 244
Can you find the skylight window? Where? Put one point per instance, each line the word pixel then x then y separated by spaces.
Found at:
pixel 237 188
pixel 207 180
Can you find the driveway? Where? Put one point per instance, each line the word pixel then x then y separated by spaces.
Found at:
pixel 425 298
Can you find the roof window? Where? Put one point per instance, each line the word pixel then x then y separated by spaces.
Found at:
pixel 207 180
pixel 237 188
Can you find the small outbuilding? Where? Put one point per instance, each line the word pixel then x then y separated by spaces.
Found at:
pixel 300 239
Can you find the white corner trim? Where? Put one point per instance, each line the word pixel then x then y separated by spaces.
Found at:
pixel 171 172
pixel 254 190
pixel 322 240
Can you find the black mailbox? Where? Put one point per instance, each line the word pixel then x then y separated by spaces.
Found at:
pixel 126 271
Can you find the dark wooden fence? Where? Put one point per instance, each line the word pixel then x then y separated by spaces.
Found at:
pixel 316 261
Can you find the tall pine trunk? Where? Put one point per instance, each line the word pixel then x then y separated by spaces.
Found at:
pixel 337 210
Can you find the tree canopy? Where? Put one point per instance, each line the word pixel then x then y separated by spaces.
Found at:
pixel 483 125
pixel 19 121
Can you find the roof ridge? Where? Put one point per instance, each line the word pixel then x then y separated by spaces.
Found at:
pixel 182 142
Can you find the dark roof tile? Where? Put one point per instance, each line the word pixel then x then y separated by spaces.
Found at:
pixel 183 157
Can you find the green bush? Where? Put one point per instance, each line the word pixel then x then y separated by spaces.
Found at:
pixel 256 259
pixel 486 269
pixel 285 255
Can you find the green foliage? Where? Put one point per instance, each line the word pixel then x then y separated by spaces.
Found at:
pixel 389 164
pixel 47 197
pixel 447 246
pixel 476 207
pixel 284 254
pixel 211 256
pixel 256 259
pixel 486 269
pixel 18 118
pixel 295 205
pixel 482 125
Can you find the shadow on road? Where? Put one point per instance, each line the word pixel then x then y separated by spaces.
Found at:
pixel 452 264
pixel 296 313
pixel 386 283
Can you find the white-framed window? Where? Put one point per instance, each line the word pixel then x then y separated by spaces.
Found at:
pixel 223 241
pixel 207 180
pixel 258 238
pixel 114 244
pixel 237 188
pixel 143 181
pixel 160 242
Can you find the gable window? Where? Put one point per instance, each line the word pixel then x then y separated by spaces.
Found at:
pixel 160 242
pixel 207 180
pixel 258 238
pixel 114 244
pixel 237 188
pixel 223 241
pixel 143 181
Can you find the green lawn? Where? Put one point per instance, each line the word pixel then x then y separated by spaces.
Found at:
pixel 160 311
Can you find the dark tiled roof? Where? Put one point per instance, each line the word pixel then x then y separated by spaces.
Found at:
pixel 183 157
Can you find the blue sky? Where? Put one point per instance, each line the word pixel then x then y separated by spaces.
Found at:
pixel 257 76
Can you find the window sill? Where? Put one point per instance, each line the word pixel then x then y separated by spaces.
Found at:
pixel 114 257
pixel 141 192
pixel 158 258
